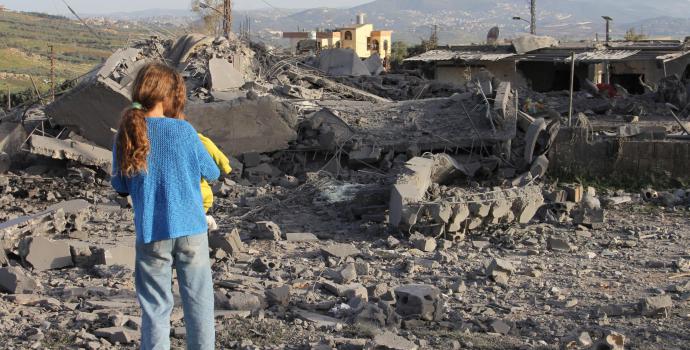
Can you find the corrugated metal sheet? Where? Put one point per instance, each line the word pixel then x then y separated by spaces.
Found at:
pixel 672 56
pixel 604 55
pixel 468 56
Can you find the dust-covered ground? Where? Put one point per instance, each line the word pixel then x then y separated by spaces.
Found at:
pixel 562 280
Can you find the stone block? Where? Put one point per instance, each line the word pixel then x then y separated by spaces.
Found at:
pixel 278 296
pixel 120 335
pixel 301 237
pixel 229 243
pixel 419 301
pixel 14 280
pixel 340 250
pixel 44 254
pixel 657 306
pixel 267 230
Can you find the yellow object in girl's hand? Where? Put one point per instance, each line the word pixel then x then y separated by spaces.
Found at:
pixel 223 164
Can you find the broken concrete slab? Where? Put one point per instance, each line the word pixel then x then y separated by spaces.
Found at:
pixel 341 62
pixel 120 335
pixel 115 255
pixel 340 250
pixel 230 243
pixel 531 138
pixel 410 188
pixel 93 108
pixel 223 76
pixel 392 341
pixel 12 231
pixel 301 237
pixel 319 320
pixel 243 302
pixel 243 126
pixel 267 230
pixel 374 64
pixel 419 301
pixel 657 306
pixel 15 280
pixel 71 150
pixel 44 254
pixel 529 43
pixel 278 296
pixel 12 136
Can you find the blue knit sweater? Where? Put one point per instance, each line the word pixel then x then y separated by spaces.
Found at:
pixel 167 197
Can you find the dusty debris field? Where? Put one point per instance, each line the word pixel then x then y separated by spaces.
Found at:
pixel 298 291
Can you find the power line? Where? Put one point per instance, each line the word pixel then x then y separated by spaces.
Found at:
pixel 267 3
pixel 83 22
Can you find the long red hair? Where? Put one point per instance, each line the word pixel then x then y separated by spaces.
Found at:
pixel 155 83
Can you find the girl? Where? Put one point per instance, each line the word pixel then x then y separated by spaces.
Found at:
pixel 159 161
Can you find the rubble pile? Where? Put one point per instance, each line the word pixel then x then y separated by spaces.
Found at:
pixel 403 86
pixel 371 212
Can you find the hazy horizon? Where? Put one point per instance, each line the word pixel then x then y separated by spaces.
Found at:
pixel 92 7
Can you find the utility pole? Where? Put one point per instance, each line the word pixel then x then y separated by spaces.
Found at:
pixel 608 28
pixel 533 12
pixel 227 17
pixel 52 72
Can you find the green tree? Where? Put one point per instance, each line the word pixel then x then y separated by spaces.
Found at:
pixel 211 19
pixel 398 53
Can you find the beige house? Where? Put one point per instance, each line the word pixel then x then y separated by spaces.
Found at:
pixel 361 37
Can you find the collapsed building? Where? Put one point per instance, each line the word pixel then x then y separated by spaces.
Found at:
pixel 544 65
pixel 320 154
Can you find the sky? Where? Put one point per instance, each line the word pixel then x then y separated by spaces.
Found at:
pixel 103 6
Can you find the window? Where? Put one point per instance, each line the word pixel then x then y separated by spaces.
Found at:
pixel 348 35
pixel 374 45
pixel 385 45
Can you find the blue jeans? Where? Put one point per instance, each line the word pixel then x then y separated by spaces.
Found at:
pixel 153 274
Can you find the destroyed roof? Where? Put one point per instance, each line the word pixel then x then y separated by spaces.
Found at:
pixel 466 56
pixel 473 53
pixel 586 51
pixel 603 55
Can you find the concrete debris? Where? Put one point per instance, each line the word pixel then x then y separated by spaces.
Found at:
pixel 12 136
pixel 51 219
pixel 392 341
pixel 339 62
pixel 223 76
pixel 243 126
pixel 93 108
pixel 389 207
pixel 529 43
pixel 419 301
pixel 119 335
pixel 340 250
pixel 71 150
pixel 278 296
pixel 14 280
pixel 267 230
pixel 658 306
pixel 374 64
pixel 301 237
pixel 115 255
pixel 44 254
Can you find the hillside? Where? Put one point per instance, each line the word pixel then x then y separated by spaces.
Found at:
pixel 466 21
pixel 24 49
